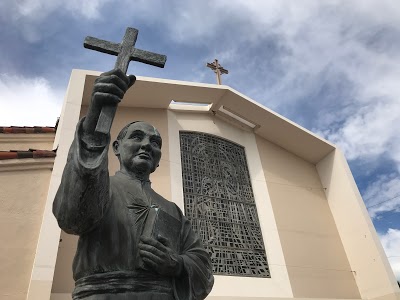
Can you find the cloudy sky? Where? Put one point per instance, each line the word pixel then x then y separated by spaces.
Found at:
pixel 331 66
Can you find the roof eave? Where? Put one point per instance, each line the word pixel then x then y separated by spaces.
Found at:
pixel 158 93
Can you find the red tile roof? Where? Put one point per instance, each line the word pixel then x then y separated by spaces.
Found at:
pixel 26 129
pixel 32 153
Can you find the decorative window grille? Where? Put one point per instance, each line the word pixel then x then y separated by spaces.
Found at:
pixel 220 204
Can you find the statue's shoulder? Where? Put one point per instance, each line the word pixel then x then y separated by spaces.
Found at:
pixel 163 202
pixel 119 180
pixel 167 205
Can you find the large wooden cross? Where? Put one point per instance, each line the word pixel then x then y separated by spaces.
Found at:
pixel 218 70
pixel 125 52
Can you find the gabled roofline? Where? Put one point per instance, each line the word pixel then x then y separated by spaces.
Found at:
pixel 158 93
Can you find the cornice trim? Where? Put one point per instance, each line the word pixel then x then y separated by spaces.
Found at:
pixel 25 164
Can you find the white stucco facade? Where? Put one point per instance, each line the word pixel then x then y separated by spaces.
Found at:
pixel 319 240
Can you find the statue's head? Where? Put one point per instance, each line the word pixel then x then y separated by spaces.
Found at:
pixel 138 148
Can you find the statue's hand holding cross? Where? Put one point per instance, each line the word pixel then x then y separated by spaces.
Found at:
pixel 108 90
pixel 111 86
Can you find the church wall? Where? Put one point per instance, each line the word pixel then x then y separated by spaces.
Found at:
pixel 365 253
pixel 280 220
pixel 314 254
pixel 235 287
pixel 23 195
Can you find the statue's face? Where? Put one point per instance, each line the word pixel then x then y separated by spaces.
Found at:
pixel 140 149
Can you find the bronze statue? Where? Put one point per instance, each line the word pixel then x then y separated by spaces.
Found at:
pixel 133 243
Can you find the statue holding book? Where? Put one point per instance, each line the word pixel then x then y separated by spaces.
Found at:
pixel 133 243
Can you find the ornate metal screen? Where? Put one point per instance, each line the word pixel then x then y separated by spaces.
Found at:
pixel 219 202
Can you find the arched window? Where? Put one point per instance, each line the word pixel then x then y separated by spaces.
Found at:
pixel 220 204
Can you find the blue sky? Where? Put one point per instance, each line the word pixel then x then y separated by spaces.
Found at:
pixel 331 66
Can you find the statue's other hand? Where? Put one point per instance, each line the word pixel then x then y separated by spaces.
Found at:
pixel 160 257
pixel 109 89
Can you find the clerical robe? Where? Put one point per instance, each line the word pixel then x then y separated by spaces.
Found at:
pixel 98 208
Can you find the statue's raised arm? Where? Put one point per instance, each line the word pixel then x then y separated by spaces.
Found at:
pixel 84 190
pixel 108 90
pixel 121 254
pixel 114 258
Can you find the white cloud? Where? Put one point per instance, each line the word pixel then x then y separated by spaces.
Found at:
pixel 39 9
pixel 383 195
pixel 318 42
pixel 343 39
pixel 372 131
pixel 391 243
pixel 29 15
pixel 28 102
pixel 348 39
pixel 89 9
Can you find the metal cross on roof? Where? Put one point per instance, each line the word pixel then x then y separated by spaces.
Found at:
pixel 218 70
pixel 125 52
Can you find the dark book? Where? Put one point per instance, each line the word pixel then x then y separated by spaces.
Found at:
pixel 161 224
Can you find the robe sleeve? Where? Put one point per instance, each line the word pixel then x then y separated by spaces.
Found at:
pixel 83 194
pixel 196 280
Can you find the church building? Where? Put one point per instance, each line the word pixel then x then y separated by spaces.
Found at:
pixel 276 206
